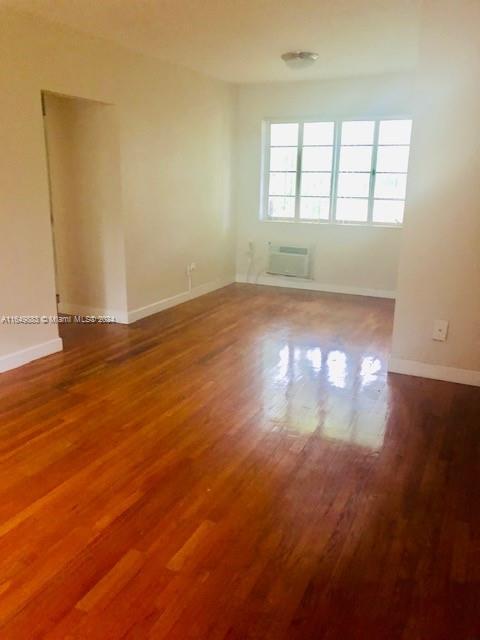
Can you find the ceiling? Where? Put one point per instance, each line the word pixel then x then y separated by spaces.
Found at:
pixel 242 40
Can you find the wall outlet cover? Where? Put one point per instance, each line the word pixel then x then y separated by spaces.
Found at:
pixel 440 330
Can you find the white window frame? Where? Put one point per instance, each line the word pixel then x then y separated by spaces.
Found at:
pixel 265 173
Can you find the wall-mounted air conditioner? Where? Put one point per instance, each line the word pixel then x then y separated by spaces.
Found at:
pixel 287 260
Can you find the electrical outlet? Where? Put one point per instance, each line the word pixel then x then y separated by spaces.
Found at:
pixel 440 330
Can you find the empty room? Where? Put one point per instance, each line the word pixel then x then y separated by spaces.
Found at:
pixel 239 320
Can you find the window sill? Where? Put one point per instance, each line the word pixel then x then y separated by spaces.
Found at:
pixel 329 223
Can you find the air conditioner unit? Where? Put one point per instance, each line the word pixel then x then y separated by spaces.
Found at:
pixel 287 260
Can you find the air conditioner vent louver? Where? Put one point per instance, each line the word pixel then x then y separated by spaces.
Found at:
pixel 301 251
pixel 289 261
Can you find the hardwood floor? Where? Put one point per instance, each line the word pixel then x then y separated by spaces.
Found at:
pixel 238 467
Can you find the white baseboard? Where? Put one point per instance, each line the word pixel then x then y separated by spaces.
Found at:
pixel 166 303
pixel 313 285
pixel 18 358
pixel 80 310
pixel 435 372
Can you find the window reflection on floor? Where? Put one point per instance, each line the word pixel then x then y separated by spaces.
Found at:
pixel 338 395
pixel 314 356
pixel 369 370
pixel 337 369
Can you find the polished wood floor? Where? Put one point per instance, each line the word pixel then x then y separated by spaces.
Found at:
pixel 239 467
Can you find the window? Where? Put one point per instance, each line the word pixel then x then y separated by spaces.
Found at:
pixel 353 171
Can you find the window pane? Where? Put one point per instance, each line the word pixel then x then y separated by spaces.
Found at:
pixel 360 132
pixel 395 132
pixel 388 211
pixel 316 184
pixel 390 185
pixel 314 208
pixel 283 159
pixel 355 158
pixel 284 135
pixel 318 133
pixel 394 159
pixel 317 159
pixel 351 185
pixel 282 184
pixel 352 210
pixel 281 207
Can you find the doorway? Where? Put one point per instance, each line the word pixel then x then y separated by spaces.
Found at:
pixel 87 231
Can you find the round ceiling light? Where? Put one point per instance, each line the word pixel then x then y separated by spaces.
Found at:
pixel 299 59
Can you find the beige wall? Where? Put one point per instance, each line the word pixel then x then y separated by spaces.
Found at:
pixel 174 132
pixel 84 163
pixel 440 261
pixel 176 154
pixel 346 256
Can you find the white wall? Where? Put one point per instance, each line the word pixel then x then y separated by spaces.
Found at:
pixel 440 261
pixel 84 163
pixel 175 130
pixel 347 257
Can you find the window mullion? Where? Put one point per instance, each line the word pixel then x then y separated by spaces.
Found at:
pixel 336 164
pixel 373 171
pixel 266 171
pixel 298 180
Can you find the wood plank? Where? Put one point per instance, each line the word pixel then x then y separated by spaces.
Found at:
pixel 110 584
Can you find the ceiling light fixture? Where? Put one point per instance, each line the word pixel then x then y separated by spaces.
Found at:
pixel 299 59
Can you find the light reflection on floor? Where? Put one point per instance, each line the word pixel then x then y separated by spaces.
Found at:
pixel 340 396
pixel 337 369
